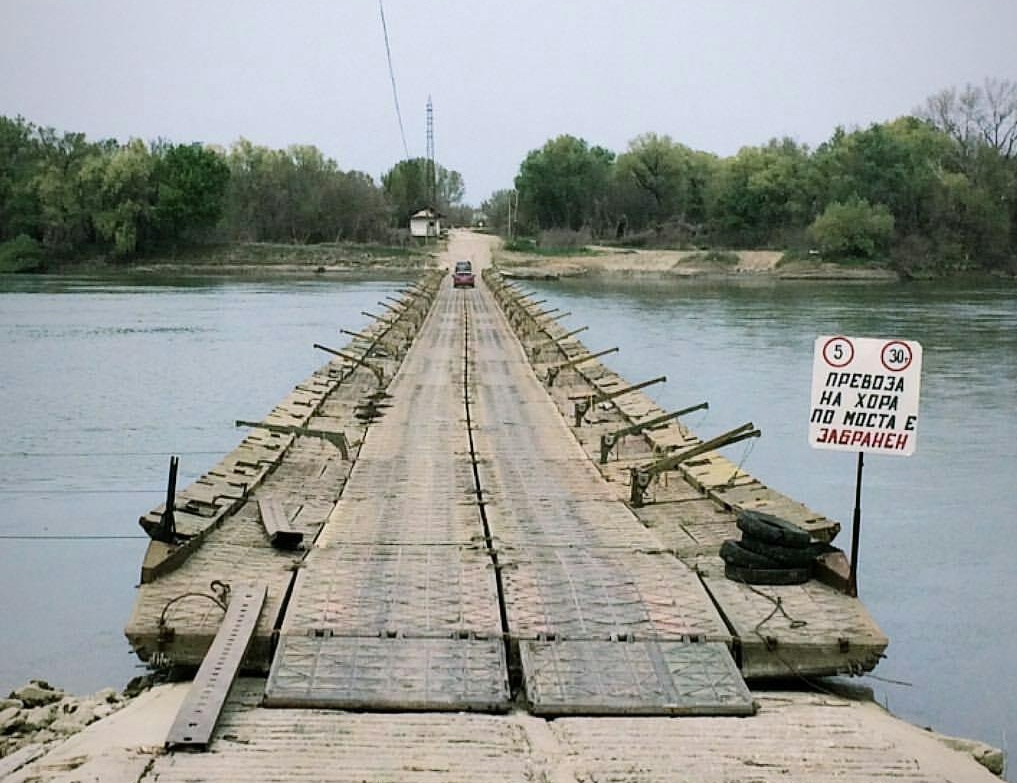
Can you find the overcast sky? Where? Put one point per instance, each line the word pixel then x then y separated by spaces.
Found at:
pixel 504 77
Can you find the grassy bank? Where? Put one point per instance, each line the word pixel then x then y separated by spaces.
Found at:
pixel 262 258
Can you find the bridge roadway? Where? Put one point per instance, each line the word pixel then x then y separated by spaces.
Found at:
pixel 477 559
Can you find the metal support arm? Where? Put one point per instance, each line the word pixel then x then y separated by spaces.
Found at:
pixel 642 475
pixel 553 370
pixel 610 439
pixel 586 400
pixel 337 439
pixel 358 361
pixel 375 342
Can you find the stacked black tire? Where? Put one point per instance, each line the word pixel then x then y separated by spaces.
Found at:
pixel 772 551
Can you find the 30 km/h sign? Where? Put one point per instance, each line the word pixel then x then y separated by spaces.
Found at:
pixel 865 395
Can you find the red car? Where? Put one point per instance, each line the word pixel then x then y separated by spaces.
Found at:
pixel 462 275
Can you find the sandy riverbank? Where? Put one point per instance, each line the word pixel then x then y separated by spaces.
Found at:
pixel 339 259
pixel 610 262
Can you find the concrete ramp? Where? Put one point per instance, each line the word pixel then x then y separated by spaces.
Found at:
pixel 632 678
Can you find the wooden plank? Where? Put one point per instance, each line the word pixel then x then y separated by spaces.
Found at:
pixel 277 524
pixel 200 711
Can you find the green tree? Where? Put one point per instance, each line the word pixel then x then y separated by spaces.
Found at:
pixel 66 219
pixel 255 193
pixel 408 188
pixel 565 184
pixel 20 157
pixel 450 187
pixel 898 164
pixel 497 209
pixel 124 191
pixel 854 229
pixel 761 195
pixel 357 206
pixel 673 176
pixel 970 224
pixel 298 195
pixel 190 189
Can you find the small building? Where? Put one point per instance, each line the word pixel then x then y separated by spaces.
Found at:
pixel 425 223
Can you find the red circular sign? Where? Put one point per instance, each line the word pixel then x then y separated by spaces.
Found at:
pixel 896 356
pixel 838 352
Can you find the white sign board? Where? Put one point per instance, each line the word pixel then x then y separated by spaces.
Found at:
pixel 865 395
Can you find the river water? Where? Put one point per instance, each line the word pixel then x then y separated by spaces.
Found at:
pixel 103 380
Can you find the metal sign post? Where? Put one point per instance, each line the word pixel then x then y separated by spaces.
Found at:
pixel 856 529
pixel 865 395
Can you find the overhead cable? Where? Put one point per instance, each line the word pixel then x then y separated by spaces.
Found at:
pixel 391 73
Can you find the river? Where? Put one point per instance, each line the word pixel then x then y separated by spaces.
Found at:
pixel 103 380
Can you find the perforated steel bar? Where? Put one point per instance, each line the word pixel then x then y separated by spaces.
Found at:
pixel 195 722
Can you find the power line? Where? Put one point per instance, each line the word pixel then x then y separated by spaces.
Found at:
pixel 391 73
pixel 62 491
pixel 85 537
pixel 102 453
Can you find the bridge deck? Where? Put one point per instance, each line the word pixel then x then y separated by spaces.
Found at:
pixel 474 537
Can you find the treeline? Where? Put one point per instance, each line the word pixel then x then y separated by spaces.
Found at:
pixel 938 188
pixel 63 196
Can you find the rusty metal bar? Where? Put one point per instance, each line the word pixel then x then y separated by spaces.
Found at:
pixel 165 530
pixel 358 361
pixel 385 321
pixel 374 341
pixel 553 370
pixel 641 476
pixel 556 341
pixel 608 440
pixel 601 396
pixel 584 401
pixel 392 308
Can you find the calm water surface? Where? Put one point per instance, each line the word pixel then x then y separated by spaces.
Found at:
pixel 102 381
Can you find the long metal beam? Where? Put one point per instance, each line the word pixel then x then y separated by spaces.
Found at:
pixel 192 729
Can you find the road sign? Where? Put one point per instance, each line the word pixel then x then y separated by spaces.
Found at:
pixel 865 395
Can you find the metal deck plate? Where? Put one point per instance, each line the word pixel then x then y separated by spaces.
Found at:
pixel 389 674
pixel 410 590
pixel 626 678
pixel 400 519
pixel 604 595
pixel 432 470
pixel 538 475
pixel 526 521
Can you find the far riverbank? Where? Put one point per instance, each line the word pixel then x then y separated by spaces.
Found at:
pixel 613 263
pixel 267 260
